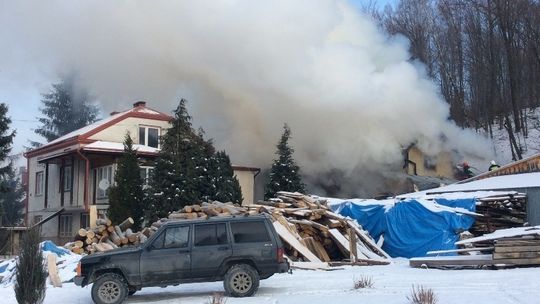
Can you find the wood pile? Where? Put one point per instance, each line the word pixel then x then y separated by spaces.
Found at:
pixel 106 236
pixel 506 247
pixel 524 250
pixel 312 232
pixel 500 212
pixel 308 228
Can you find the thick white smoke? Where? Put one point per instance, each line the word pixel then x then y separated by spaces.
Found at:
pixel 347 91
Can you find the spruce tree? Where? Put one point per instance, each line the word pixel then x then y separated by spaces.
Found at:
pixel 180 175
pixel 126 195
pixel 225 184
pixel 6 139
pixel 285 174
pixel 65 108
pixel 11 200
pixel 30 271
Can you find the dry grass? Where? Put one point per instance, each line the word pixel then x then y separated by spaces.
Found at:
pixel 363 282
pixel 217 298
pixel 422 295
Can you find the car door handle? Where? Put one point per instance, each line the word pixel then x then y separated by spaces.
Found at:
pixel 183 251
pixel 223 248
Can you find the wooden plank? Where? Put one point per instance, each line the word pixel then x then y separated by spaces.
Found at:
pixel 53 271
pixel 504 233
pixel 501 243
pixel 366 239
pixel 469 260
pixel 340 240
pixel 516 255
pixel 288 237
pixel 317 248
pixel 517 248
pixel 310 265
pixel 459 250
pixel 352 245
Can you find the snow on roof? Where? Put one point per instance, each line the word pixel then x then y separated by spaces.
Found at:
pixel 86 129
pixel 455 195
pixel 514 181
pixel 117 147
pixel 104 121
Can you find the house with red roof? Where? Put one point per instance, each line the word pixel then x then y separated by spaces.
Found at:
pixel 71 175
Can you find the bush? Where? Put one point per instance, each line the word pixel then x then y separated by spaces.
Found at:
pixel 30 271
pixel 363 282
pixel 217 298
pixel 422 295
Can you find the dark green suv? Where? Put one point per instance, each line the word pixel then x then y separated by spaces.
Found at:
pixel 239 250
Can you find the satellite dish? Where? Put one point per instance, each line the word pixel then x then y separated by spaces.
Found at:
pixel 104 184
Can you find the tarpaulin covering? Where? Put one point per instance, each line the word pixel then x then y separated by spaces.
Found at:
pixel 411 227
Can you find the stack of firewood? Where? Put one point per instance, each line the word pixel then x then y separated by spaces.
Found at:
pixel 312 232
pixel 308 228
pixel 500 212
pixel 106 236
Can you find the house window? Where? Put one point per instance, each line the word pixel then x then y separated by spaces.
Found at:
pixel 85 220
pixel 64 229
pixel 39 183
pixel 37 219
pixel 149 136
pixel 430 162
pixel 146 172
pixel 104 181
pixel 66 175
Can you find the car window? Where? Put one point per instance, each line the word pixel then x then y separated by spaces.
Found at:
pixel 210 234
pixel 158 242
pixel 176 237
pixel 173 237
pixel 250 232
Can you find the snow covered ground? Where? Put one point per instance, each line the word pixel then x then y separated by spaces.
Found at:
pixel 531 144
pixel 392 284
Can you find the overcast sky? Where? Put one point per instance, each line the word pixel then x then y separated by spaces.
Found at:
pixel 21 87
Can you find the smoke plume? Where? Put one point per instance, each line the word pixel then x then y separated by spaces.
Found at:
pixel 347 90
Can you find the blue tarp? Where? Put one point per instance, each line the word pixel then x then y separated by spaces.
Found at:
pixel 50 246
pixel 411 227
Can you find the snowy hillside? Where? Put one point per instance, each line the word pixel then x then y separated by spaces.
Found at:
pixel 530 144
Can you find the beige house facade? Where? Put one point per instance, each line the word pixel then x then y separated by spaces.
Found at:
pixel 71 175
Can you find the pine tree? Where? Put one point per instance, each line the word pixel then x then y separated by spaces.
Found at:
pixel 180 175
pixel 225 184
pixel 6 139
pixel 65 108
pixel 126 195
pixel 285 174
pixel 11 200
pixel 30 271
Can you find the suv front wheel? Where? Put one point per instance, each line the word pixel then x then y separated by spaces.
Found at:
pixel 109 288
pixel 241 280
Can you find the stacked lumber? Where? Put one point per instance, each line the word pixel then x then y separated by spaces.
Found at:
pixel 500 212
pixel 524 250
pixel 106 236
pixel 507 247
pixel 309 229
pixel 312 232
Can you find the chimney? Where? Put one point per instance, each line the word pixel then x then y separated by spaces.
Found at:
pixel 139 104
pixel 114 113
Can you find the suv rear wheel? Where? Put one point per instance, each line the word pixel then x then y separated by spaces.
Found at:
pixel 241 280
pixel 109 288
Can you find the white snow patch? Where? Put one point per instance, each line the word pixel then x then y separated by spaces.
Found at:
pixel 392 285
